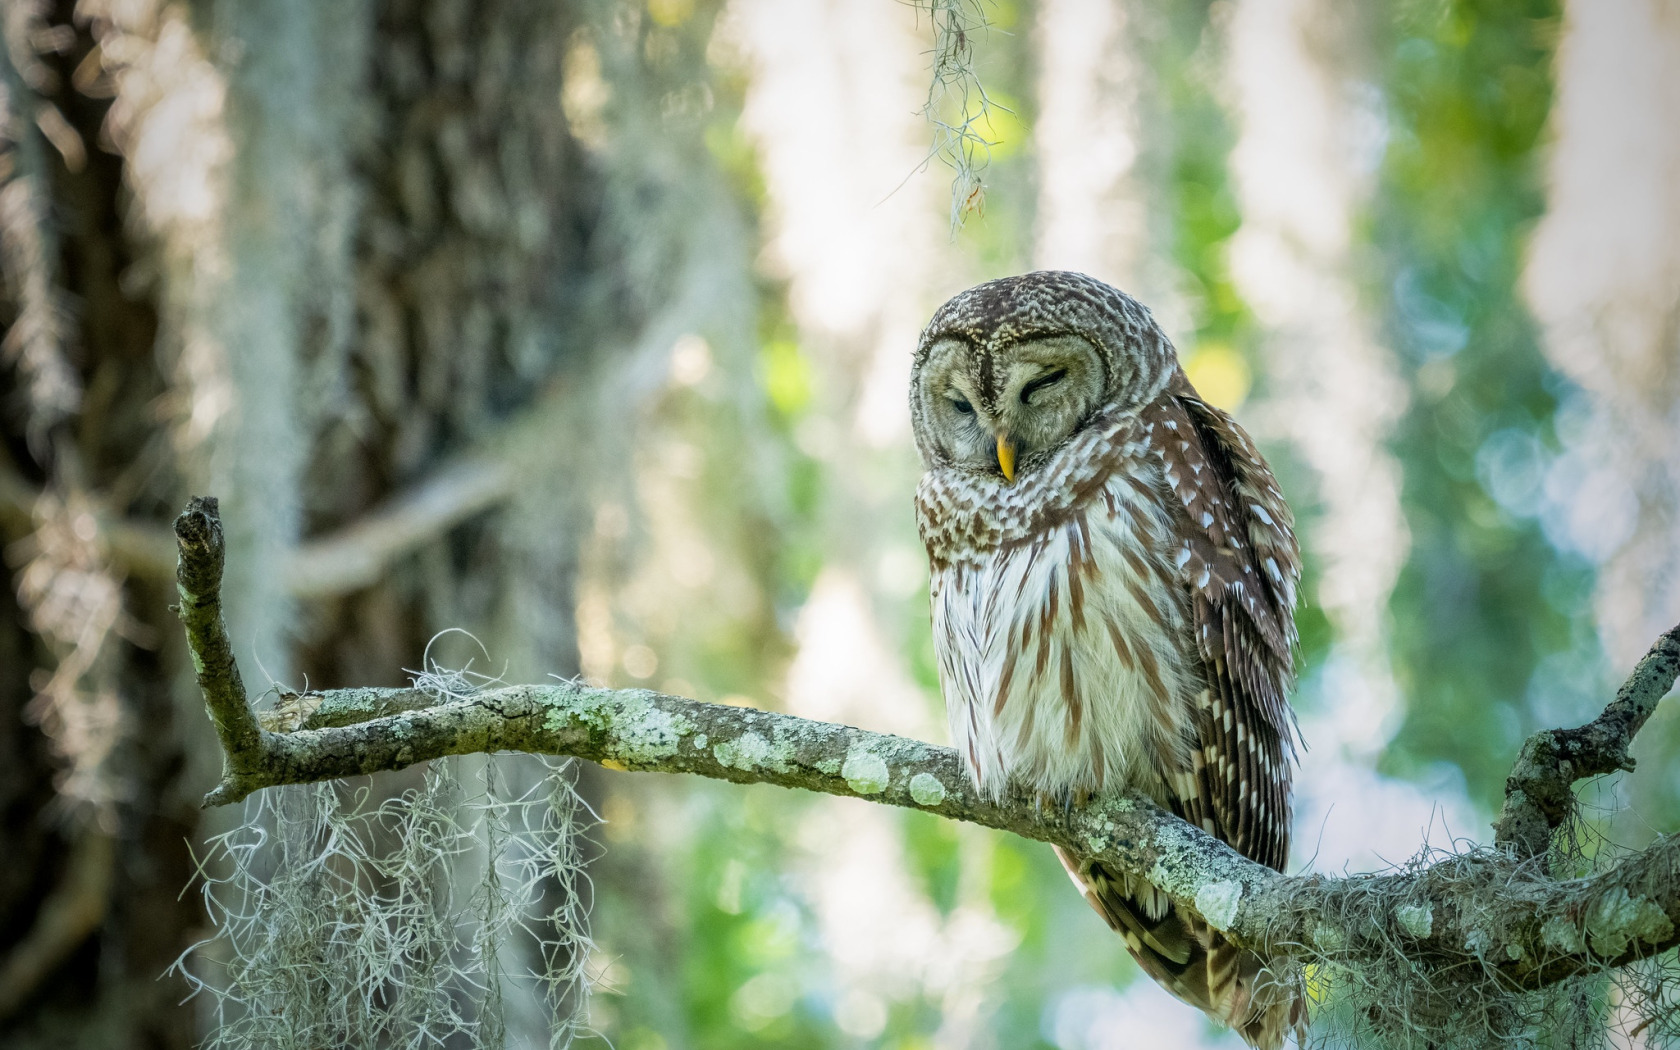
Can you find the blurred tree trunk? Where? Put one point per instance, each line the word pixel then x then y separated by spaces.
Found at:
pixel 1603 278
pixel 364 270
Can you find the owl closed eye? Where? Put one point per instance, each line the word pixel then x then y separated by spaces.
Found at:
pixel 1009 412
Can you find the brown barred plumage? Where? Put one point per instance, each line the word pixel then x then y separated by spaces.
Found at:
pixel 1113 580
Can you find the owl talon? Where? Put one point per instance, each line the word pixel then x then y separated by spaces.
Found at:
pixel 1067 800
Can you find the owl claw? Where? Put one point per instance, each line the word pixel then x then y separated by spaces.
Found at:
pixel 1066 800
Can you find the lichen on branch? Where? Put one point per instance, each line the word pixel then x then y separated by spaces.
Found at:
pixel 198 581
pixel 1498 910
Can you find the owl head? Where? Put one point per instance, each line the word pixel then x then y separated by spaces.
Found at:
pixel 1008 372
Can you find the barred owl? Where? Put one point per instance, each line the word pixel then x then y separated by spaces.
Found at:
pixel 1113 585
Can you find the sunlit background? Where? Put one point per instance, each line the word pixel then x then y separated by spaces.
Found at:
pixel 588 328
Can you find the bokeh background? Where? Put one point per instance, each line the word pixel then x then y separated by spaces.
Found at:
pixel 585 325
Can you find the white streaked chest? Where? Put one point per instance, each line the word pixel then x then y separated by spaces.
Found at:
pixel 1064 656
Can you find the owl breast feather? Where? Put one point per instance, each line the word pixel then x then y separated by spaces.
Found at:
pixel 1063 653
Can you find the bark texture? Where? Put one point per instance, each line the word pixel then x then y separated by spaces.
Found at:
pixel 354 267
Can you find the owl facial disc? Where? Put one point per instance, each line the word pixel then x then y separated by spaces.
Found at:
pixel 1034 359
pixel 1004 409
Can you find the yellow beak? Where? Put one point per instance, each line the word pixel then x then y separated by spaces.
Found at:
pixel 1006 457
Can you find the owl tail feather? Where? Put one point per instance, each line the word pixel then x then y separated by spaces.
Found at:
pixel 1245 994
pixel 1190 959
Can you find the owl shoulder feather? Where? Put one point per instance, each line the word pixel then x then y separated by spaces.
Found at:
pixel 1239 555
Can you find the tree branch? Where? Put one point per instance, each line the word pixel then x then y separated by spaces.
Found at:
pixel 357 555
pixel 198 580
pixel 1539 793
pixel 337 562
pixel 1492 909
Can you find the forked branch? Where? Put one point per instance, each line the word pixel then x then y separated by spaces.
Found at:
pixel 1498 908
pixel 1539 793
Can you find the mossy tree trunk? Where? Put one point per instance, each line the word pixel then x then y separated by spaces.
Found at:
pixel 351 265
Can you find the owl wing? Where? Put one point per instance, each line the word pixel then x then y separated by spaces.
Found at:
pixel 1240 560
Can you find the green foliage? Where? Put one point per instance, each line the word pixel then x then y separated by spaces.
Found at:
pixel 1468 91
pixel 1482 602
pixel 1195 133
